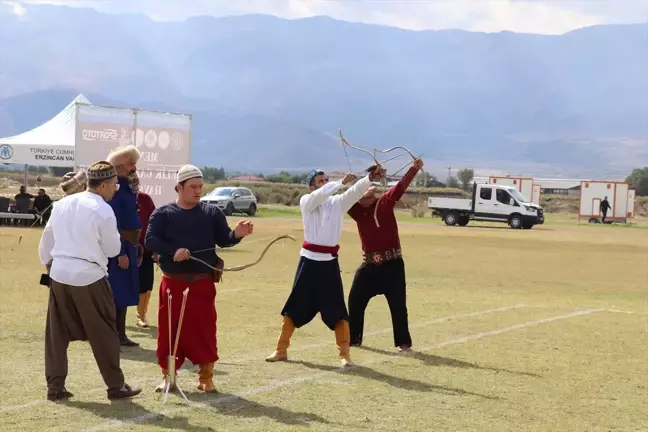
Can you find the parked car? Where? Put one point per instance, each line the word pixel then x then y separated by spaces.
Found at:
pixel 232 199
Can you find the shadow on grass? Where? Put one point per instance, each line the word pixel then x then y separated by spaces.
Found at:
pixel 505 227
pixel 404 383
pixel 138 353
pixel 127 410
pixel 150 331
pixel 221 403
pixel 434 360
pixel 237 406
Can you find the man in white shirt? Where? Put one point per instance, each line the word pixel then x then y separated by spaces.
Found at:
pixel 75 246
pixel 318 285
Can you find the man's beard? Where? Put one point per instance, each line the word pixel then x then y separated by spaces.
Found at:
pixel 127 174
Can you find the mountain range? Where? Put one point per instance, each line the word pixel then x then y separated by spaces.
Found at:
pixel 269 94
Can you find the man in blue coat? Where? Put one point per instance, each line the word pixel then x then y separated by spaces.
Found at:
pixel 123 272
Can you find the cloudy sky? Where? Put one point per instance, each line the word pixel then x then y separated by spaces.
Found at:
pixel 531 16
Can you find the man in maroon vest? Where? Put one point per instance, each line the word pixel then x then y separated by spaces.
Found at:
pixel 383 269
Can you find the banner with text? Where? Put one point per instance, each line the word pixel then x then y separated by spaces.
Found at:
pixel 38 155
pixel 163 139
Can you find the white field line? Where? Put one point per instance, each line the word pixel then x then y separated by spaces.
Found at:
pixel 385 330
pixel 260 356
pixel 293 381
pixel 626 312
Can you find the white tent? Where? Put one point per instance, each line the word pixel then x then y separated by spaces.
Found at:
pixel 50 144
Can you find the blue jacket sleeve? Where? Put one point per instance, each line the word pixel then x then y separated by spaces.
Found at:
pixel 154 237
pixel 224 236
pixel 116 205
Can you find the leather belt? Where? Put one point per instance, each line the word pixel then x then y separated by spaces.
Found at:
pixel 382 256
pixel 131 236
pixel 187 277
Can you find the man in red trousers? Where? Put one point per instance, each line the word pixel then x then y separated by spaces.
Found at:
pixel 176 232
pixel 383 269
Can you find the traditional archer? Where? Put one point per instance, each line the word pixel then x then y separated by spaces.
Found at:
pixel 383 270
pixel 318 285
pixel 173 231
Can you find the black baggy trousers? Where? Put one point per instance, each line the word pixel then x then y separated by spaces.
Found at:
pixel 370 280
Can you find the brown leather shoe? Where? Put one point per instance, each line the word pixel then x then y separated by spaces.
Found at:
pixel 125 392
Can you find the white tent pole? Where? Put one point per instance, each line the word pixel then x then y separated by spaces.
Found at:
pixel 26 176
pixel 76 135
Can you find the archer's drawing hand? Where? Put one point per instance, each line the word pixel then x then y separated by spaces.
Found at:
pixel 243 229
pixel 349 178
pixel 122 262
pixel 181 254
pixel 378 173
pixel 418 163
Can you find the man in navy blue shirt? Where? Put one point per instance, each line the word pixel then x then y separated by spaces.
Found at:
pixel 177 231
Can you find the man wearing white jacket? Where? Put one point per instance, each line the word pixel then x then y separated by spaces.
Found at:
pixel 75 246
pixel 318 285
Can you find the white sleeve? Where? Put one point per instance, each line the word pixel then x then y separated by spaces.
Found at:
pixel 109 238
pixel 310 202
pixel 353 194
pixel 46 242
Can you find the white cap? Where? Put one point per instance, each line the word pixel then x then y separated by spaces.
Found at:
pixel 187 172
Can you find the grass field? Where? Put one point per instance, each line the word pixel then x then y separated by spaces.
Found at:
pixel 540 330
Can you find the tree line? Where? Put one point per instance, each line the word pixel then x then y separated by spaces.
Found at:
pixel 638 178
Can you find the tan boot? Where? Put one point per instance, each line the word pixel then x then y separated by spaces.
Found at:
pixel 281 353
pixel 343 339
pixel 165 380
pixel 205 378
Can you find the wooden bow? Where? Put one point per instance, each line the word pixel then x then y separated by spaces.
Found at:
pixel 248 265
pixel 416 203
pixel 346 143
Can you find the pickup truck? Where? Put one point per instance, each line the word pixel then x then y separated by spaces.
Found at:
pixel 490 203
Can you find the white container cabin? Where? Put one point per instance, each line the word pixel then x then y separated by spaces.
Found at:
pixel 619 195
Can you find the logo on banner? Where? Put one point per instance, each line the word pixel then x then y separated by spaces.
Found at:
pixel 139 137
pixel 126 137
pixel 100 135
pixel 6 152
pixel 163 140
pixel 177 141
pixel 150 138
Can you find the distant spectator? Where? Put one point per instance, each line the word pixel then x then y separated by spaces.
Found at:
pixel 605 206
pixel 42 206
pixel 23 203
pixel 23 197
